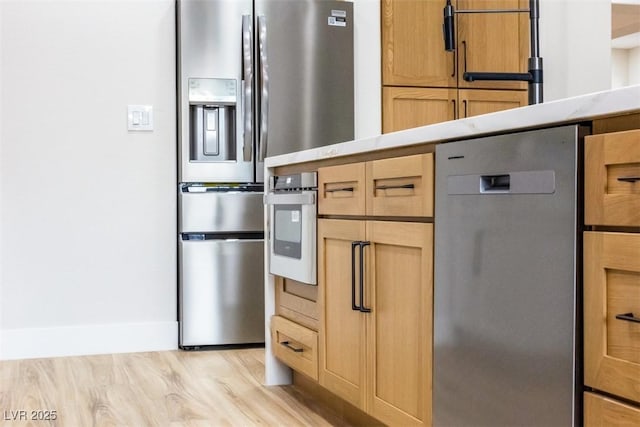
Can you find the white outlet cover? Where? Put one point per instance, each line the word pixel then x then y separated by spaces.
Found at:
pixel 140 117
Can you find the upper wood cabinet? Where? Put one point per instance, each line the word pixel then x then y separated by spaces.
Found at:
pixel 612 179
pixel 409 107
pixel 413 45
pixel 397 187
pixel 492 42
pixel 474 102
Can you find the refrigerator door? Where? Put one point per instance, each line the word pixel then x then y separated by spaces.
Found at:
pixel 505 281
pixel 215 87
pixel 304 67
pixel 202 211
pixel 221 292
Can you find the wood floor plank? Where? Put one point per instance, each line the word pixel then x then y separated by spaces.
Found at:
pixel 174 389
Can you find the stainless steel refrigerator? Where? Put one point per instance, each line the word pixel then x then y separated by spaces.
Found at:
pixel 506 301
pixel 255 79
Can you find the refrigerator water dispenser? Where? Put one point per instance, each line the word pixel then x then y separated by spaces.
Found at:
pixel 212 105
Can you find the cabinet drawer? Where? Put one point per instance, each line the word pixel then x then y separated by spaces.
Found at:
pixel 341 190
pixel 401 186
pixel 612 313
pixel 612 179
pixel 600 411
pixel 295 345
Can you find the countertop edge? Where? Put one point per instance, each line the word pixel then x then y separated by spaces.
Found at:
pixel 583 107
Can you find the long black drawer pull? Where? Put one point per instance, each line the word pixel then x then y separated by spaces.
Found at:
pixel 629 178
pixel 389 187
pixel 629 317
pixel 354 307
pixel 362 307
pixel 290 347
pixel 335 190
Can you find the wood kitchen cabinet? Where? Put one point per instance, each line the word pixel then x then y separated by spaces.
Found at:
pixel 409 107
pixel 474 102
pixel 492 42
pixel 379 360
pixel 393 187
pixel 612 279
pixel 423 84
pixel 413 46
pixel 375 286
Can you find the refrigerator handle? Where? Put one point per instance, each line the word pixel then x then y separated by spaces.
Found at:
pixel 264 87
pixel 247 91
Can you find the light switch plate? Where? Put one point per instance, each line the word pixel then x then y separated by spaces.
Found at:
pixel 140 117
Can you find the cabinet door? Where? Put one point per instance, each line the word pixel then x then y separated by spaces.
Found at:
pixel 604 412
pixel 407 107
pixel 413 45
pixel 612 313
pixel 400 186
pixel 612 179
pixel 341 189
pixel 399 338
pixel 473 102
pixel 492 42
pixel 342 333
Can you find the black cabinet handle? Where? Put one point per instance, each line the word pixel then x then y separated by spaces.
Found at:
pixel 464 54
pixel 629 178
pixel 362 307
pixel 629 317
pixel 354 307
pixel 290 347
pixel 389 187
pixel 453 74
pixel 335 190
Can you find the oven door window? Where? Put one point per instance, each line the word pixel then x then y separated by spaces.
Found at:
pixel 287 230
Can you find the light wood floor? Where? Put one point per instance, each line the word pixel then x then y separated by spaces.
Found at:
pixel 174 388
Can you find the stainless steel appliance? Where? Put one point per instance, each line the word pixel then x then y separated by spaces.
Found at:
pixel 221 265
pixel 506 329
pixel 255 79
pixel 292 235
pixel 259 79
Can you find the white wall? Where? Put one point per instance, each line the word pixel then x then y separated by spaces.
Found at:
pixel 88 244
pixel 633 66
pixel 368 71
pixel 619 68
pixel 575 44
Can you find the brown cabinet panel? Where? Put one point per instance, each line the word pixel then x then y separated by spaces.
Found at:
pixel 474 102
pixel 407 107
pixel 612 290
pixel 492 42
pixel 342 330
pixel 612 179
pixel 604 412
pixel 413 46
pixel 401 186
pixel 341 189
pixel 399 350
pixel 295 345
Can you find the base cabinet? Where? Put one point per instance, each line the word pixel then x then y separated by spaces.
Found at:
pixel 376 293
pixel 604 412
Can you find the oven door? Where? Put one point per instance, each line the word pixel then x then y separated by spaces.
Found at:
pixel 292 237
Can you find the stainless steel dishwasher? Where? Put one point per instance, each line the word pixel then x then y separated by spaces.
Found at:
pixel 505 298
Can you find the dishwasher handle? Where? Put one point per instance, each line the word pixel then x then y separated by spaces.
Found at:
pixel 495 183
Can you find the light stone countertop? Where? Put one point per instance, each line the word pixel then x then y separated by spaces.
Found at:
pixel 566 110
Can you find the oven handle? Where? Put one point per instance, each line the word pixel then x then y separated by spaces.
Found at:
pixel 306 198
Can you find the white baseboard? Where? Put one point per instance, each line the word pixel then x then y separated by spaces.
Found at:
pixel 34 343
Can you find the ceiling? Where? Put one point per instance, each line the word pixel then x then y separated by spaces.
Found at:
pixel 625 24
